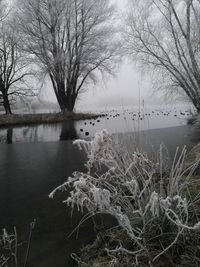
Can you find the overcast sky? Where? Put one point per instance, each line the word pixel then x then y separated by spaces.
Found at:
pixel 120 90
pixel 117 91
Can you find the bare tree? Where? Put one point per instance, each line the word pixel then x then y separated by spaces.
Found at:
pixel 14 68
pixel 165 35
pixel 71 41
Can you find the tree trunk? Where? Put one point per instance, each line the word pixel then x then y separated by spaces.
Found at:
pixel 65 97
pixel 198 106
pixel 66 101
pixel 6 104
pixel 70 102
pixel 196 103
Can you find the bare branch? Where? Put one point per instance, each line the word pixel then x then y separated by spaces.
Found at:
pixel 70 40
pixel 164 34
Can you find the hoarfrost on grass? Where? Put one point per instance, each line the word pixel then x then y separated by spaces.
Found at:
pixel 137 192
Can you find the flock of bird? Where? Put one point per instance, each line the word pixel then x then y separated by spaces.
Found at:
pixel 134 116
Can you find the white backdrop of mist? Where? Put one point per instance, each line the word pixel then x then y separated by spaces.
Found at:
pixel 127 87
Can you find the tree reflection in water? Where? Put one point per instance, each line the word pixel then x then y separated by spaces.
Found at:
pixel 68 131
pixel 9 139
pixel 39 133
pixel 6 136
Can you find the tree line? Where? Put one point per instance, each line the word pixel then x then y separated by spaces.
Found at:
pixel 74 42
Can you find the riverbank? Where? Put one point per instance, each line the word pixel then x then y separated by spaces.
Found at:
pixel 44 118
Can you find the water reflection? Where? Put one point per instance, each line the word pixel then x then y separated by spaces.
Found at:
pixel 6 136
pixel 29 172
pixel 39 133
pixel 115 121
pixel 9 136
pixel 68 131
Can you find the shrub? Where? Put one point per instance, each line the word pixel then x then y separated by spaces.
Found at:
pixel 156 206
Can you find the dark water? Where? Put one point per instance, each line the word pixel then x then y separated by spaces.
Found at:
pixel 28 174
pixel 29 171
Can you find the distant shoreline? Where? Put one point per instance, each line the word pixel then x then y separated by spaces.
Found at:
pixel 44 118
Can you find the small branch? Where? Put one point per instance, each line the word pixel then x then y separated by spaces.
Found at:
pixel 32 227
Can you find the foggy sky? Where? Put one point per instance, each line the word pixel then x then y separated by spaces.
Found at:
pixel 123 89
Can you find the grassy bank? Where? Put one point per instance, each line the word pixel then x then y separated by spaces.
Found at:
pixel 27 119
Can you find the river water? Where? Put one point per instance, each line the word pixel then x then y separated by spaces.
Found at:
pixel 34 160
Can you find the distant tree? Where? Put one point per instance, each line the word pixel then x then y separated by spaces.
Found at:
pixel 14 68
pixel 72 41
pixel 165 35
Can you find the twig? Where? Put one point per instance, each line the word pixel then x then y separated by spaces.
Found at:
pixel 32 226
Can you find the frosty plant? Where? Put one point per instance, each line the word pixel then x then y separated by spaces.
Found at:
pixel 10 247
pixel 155 206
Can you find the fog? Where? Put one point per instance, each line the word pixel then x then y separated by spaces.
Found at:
pixel 126 87
pixel 121 89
